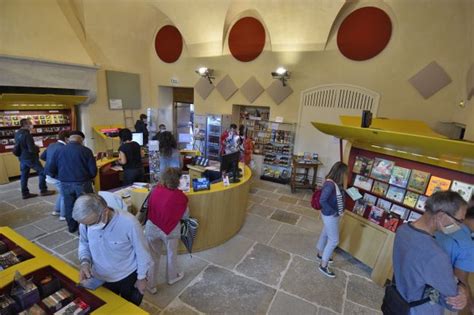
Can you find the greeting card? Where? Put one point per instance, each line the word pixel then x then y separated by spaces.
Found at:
pixel 400 176
pixel 382 169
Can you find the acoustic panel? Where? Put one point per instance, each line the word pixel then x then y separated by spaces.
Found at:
pixel 470 82
pixel 203 87
pixel 247 39
pixel 251 89
pixel 123 90
pixel 168 44
pixel 430 80
pixel 226 87
pixel 278 92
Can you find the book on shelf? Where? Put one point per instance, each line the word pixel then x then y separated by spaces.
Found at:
pixel 353 193
pixel 360 206
pixel 418 181
pixel 370 199
pixel 362 165
pixel 401 211
pixel 376 214
pixel 396 193
pixel 76 307
pixel 384 204
pixel 420 204
pixel 400 176
pixel 363 182
pixel 411 199
pixel 382 169
pixel 413 216
pixel 392 221
pixel 380 188
pixel 437 184
pixel 463 189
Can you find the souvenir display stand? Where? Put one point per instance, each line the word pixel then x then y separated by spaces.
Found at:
pixel 38 264
pixel 395 165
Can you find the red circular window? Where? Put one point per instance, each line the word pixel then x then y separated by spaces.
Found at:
pixel 364 33
pixel 247 39
pixel 168 43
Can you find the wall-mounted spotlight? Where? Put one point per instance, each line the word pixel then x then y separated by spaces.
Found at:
pixel 206 73
pixel 281 74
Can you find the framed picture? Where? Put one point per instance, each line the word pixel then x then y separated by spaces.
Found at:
pixel 384 204
pixel 380 188
pixel 463 189
pixel 413 216
pixel 401 211
pixel 359 207
pixel 410 199
pixel 370 199
pixel 420 204
pixel 376 214
pixel 418 181
pixel 437 184
pixel 382 169
pixel 400 176
pixel 392 222
pixel 364 183
pixel 396 193
pixel 362 165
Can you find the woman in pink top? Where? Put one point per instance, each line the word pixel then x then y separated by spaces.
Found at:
pixel 167 205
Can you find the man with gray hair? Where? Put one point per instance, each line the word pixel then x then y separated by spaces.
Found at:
pixel 112 247
pixel 75 167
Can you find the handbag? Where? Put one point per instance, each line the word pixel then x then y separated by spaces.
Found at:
pixel 142 215
pixel 395 304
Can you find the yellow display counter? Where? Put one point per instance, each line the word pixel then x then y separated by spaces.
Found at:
pixel 114 304
pixel 220 211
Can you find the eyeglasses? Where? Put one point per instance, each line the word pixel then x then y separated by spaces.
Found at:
pixel 454 218
pixel 100 217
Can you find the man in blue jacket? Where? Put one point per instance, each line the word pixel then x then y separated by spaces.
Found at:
pixel 27 153
pixel 75 167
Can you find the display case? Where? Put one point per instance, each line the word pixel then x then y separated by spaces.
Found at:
pixel 11 253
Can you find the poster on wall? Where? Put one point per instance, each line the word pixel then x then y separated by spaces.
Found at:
pixel 437 184
pixel 463 189
pixel 382 169
pixel 400 176
pixel 418 181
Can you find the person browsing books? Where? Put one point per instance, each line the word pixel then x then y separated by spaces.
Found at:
pixel 332 203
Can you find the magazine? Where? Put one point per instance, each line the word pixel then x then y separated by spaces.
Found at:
pixel 418 181
pixel 370 199
pixel 396 193
pixel 362 165
pixel 392 222
pixel 437 184
pixel 380 188
pixel 463 189
pixel 362 182
pixel 420 205
pixel 401 211
pixel 410 199
pixel 359 207
pixel 382 169
pixel 384 204
pixel 376 214
pixel 400 176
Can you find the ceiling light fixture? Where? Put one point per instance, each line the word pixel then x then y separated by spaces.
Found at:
pixel 281 74
pixel 206 73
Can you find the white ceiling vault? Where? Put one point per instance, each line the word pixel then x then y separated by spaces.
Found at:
pixel 291 25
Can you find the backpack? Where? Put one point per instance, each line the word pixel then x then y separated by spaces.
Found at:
pixel 315 199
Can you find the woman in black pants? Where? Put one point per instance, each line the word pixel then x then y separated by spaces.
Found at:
pixel 130 157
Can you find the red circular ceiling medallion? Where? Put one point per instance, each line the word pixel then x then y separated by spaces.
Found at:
pixel 247 39
pixel 364 33
pixel 168 43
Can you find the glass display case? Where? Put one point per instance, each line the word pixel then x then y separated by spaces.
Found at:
pixel 216 124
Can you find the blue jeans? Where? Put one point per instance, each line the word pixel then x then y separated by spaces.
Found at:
pixel 25 166
pixel 59 206
pixel 329 238
pixel 71 192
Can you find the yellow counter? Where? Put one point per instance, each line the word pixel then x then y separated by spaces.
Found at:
pixel 220 211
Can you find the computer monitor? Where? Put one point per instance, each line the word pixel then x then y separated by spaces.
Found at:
pixel 230 164
pixel 138 137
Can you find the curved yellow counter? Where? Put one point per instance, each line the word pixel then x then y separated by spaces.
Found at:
pixel 220 211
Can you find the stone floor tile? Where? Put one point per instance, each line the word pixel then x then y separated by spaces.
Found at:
pixel 265 264
pixel 311 224
pixel 303 279
pixel 51 223
pixel 364 292
pixel 221 291
pixel 228 254
pixel 72 259
pixel 288 199
pixel 308 196
pixel 6 207
pixel 150 308
pixel 262 185
pixel 286 190
pixel 309 212
pixel 268 195
pixel 261 210
pixel 179 308
pixel 276 204
pixel 256 199
pixel 25 215
pixel 304 203
pixel 325 311
pixel 285 304
pixel 346 262
pixel 296 240
pixel 190 265
pixel 259 229
pixel 249 205
pixel 30 232
pixel 55 239
pixel 67 247
pixel 254 191
pixel 355 309
pixel 285 217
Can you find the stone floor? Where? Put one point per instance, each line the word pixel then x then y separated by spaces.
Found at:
pixel 269 267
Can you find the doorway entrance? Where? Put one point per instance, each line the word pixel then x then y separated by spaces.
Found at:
pixel 183 112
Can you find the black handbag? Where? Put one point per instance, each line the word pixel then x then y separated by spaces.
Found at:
pixel 395 304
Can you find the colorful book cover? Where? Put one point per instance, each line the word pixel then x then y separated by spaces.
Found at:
pixel 392 222
pixel 384 204
pixel 380 188
pixel 413 216
pixel 354 193
pixel 437 184
pixel 370 199
pixel 359 207
pixel 382 169
pixel 418 181
pixel 463 189
pixel 396 193
pixel 420 204
pixel 410 199
pixel 400 176
pixel 362 182
pixel 376 214
pixel 362 165
pixel 401 211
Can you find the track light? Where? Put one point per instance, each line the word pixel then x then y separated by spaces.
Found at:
pixel 281 74
pixel 206 73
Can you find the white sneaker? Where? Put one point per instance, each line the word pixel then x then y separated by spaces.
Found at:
pixel 55 213
pixel 62 218
pixel 179 277
pixel 152 290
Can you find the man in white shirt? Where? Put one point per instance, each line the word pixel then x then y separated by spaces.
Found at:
pixel 112 247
